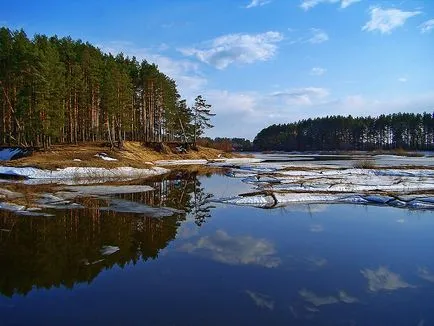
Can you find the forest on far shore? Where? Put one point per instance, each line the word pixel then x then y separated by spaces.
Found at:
pixel 58 90
pixel 408 131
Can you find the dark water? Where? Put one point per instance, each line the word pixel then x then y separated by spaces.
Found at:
pixel 217 264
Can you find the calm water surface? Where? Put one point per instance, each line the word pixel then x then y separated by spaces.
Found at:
pixel 218 264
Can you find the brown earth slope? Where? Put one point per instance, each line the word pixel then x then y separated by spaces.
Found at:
pixel 134 154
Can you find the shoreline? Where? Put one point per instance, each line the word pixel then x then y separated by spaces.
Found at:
pixel 273 183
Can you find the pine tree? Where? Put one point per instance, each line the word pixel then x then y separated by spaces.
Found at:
pixel 201 113
pixel 49 92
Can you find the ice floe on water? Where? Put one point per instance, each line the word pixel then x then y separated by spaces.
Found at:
pixel 56 202
pixel 278 199
pixel 22 210
pixel 254 200
pixel 398 187
pixel 271 184
pixel 64 200
pixel 70 192
pixel 126 206
pixel 261 179
pixel 80 172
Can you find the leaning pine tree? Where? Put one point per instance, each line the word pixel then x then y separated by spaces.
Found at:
pixel 202 114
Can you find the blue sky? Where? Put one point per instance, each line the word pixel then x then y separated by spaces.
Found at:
pixel 260 62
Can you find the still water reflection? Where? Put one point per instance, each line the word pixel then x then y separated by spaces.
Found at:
pixel 211 264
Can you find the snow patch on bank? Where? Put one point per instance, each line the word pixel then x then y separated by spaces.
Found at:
pixel 105 157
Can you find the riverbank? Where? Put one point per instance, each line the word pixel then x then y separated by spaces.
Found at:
pixel 265 180
pixel 99 155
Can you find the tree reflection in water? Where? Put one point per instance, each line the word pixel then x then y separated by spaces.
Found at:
pixel 65 250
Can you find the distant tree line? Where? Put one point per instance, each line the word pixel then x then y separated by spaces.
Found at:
pixel 400 130
pixel 58 90
pixel 227 144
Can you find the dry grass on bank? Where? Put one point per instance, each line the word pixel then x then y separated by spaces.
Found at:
pixel 364 164
pixel 134 154
pixel 398 152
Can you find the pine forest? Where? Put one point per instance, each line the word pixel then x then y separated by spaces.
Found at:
pixel 58 90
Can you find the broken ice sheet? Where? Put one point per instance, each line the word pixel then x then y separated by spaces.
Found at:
pixel 126 206
pixel 71 192
pixel 74 173
pixel 51 201
pixel 256 200
pixel 21 210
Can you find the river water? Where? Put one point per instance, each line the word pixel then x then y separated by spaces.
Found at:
pixel 217 264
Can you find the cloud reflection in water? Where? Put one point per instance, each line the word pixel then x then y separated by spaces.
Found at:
pixel 235 250
pixel 383 280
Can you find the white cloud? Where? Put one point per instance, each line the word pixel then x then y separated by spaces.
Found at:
pixel 314 36
pixel 309 4
pixel 302 96
pixel 427 26
pixel 318 71
pixel 235 250
pixel 386 20
pixel 237 48
pixel 358 105
pixel 318 36
pixel 402 79
pixel 261 300
pixel 383 280
pixel 347 3
pixel 231 101
pixel 257 3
